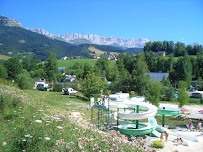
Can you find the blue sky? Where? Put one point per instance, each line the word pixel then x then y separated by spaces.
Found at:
pixel 157 20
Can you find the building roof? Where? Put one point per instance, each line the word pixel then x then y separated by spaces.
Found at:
pixel 61 68
pixel 157 76
pixel 63 83
pixel 40 81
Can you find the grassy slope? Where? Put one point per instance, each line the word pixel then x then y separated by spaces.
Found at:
pixel 41 127
pixel 100 52
pixel 4 57
pixel 97 51
pixel 71 62
pixel 59 102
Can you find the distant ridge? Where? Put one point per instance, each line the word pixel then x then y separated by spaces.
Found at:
pixel 20 42
pixel 95 39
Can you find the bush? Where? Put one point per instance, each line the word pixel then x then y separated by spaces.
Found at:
pixel 183 98
pixel 201 101
pixel 25 81
pixel 133 94
pixel 158 144
pixel 167 93
pixel 194 101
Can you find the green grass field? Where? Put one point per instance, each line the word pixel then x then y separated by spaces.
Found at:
pixel 71 62
pixel 4 57
pixel 44 123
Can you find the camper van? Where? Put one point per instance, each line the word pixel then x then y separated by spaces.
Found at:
pixel 197 94
pixel 42 86
pixel 68 91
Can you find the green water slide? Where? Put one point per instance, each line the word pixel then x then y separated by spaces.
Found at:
pixel 169 111
pixel 143 128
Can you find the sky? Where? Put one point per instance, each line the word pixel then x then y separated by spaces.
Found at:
pixel 156 20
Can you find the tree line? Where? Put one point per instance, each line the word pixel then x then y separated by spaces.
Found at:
pixel 128 74
pixel 178 49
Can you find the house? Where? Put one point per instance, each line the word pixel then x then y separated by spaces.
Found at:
pixel 94 56
pixel 70 78
pixel 195 83
pixel 162 53
pixel 77 57
pixel 112 57
pixel 62 68
pixel 154 76
pixel 38 82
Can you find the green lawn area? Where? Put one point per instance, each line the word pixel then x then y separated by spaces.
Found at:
pixel 4 57
pixel 59 102
pixel 71 62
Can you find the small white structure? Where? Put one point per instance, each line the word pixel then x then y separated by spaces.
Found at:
pixel 119 95
pixel 69 91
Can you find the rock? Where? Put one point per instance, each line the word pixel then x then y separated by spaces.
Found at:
pixel 96 39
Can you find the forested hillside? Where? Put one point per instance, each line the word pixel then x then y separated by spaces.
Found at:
pixel 17 41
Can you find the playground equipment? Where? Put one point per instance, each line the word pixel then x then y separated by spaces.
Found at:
pixel 132 116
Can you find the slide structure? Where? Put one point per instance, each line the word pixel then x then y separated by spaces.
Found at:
pixel 135 110
pixel 161 129
pixel 143 111
pixel 169 111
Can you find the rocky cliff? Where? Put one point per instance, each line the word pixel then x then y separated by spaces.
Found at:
pixel 5 21
pixel 96 39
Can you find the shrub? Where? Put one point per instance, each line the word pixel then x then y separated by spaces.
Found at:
pixel 194 101
pixel 183 98
pixel 158 144
pixel 25 81
pixel 201 101
pixel 167 93
pixel 133 94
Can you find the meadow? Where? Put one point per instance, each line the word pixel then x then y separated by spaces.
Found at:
pixel 70 62
pixel 33 120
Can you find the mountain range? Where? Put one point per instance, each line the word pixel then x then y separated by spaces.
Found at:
pixel 18 41
pixel 95 39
